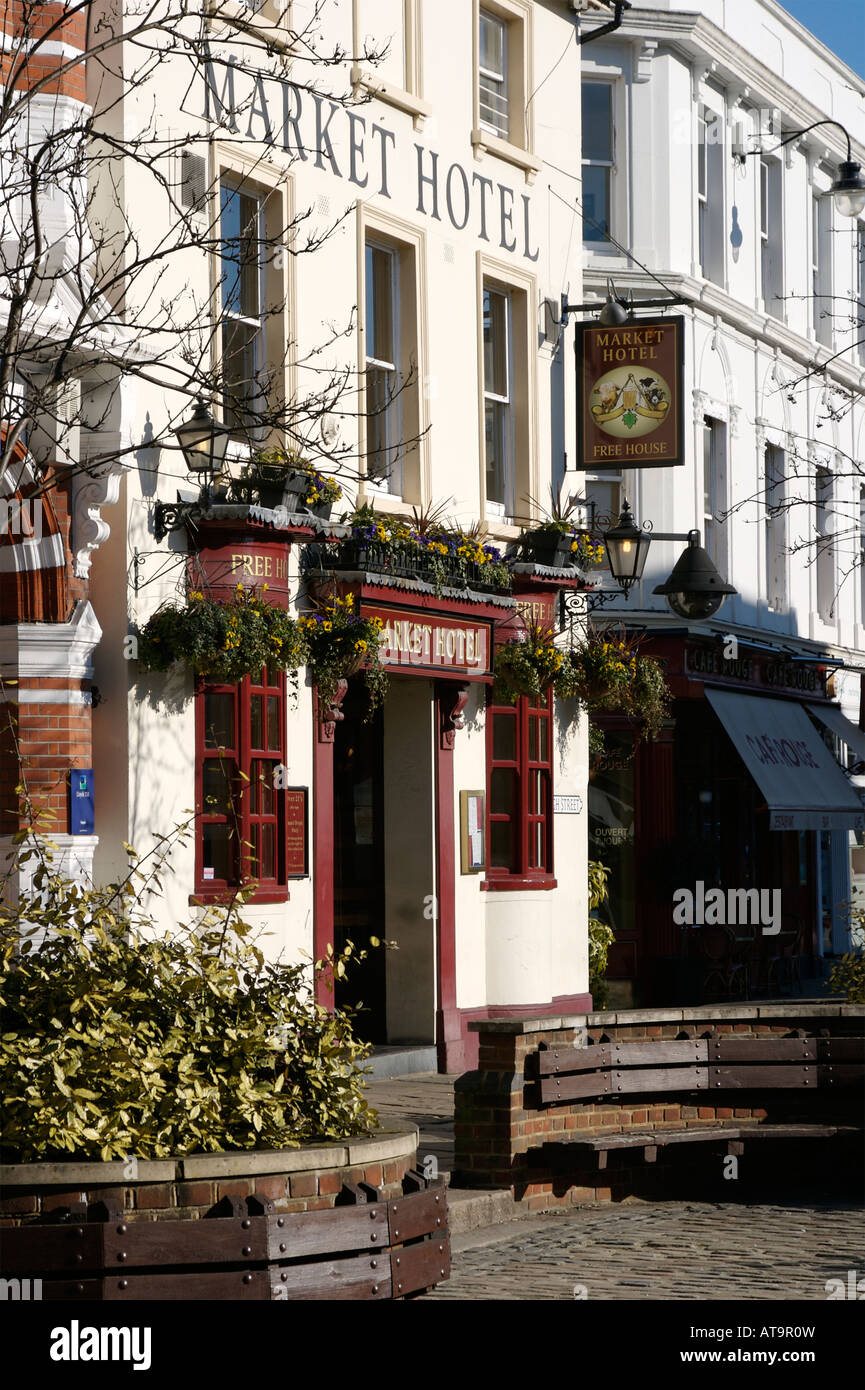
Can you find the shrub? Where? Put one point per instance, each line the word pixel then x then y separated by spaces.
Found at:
pixel 847 976
pixel 601 935
pixel 117 1042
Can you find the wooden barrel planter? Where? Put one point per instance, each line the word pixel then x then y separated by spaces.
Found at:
pixel 352 1219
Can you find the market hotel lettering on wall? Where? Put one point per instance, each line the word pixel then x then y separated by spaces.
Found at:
pixel 428 640
pixel 352 146
pixel 629 394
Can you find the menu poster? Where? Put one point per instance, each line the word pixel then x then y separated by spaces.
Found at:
pixel 472 832
pixel 296 839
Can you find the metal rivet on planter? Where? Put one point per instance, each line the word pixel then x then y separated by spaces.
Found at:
pixel 437 1198
pixel 372 1215
pixel 121 1230
pixel 375 1288
pixel 123 1284
pixel 245 1224
pixel 399 1288
pixel 282 1249
pixel 247 1250
pixel 280 1221
pixel 373 1264
pixel 373 1236
pixel 121 1255
pixel 79 1232
pixel 79 1288
pixel 438 1221
pixel 397 1259
pixel 396 1233
pixel 442 1273
pixel 247 1278
pixel 284 1278
pixel 78 1259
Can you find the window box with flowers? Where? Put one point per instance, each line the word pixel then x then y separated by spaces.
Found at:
pixel 421 549
pixel 281 477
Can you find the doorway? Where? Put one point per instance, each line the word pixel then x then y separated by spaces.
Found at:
pixel 359 871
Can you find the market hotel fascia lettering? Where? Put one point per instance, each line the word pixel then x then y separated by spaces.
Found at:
pixel 274 110
pixel 432 641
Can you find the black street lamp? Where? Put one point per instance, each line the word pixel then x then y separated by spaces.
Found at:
pixel 627 546
pixel 695 589
pixel 204 444
pixel 848 190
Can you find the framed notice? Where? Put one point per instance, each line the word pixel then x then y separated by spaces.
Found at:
pixel 473 847
pixel 629 394
pixel 296 836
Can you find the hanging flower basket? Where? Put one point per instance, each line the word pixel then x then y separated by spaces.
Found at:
pixel 223 641
pixel 339 643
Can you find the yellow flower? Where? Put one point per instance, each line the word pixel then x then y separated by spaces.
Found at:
pixel 264 587
pixel 240 588
pixel 327 626
pixel 349 600
pixel 196 594
pixel 360 646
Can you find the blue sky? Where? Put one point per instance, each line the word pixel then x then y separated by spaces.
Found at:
pixel 840 24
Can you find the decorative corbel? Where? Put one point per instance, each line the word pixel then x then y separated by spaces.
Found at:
pixel 453 703
pixel 330 712
pixel 643 53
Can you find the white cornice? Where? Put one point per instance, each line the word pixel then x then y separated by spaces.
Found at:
pixel 701 41
pixel 33 650
pixel 703 295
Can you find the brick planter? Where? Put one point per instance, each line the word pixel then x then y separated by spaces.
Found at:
pixel 309 1178
pixel 505 1137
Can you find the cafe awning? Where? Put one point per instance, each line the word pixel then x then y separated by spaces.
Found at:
pixel 840 725
pixel 803 785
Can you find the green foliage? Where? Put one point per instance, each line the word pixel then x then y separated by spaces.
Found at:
pixel 340 642
pixel 275 465
pixel 847 976
pixel 526 667
pixel 607 673
pixel 117 1042
pixel 601 935
pixel 224 641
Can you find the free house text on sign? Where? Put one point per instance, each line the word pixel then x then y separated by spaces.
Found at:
pixel 422 640
pixel 629 394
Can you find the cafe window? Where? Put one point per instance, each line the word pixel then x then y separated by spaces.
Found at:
pixel 519 763
pixel 240 743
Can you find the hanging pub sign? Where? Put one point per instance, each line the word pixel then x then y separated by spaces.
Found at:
pixel 629 394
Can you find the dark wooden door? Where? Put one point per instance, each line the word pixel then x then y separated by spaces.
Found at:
pixel 359 891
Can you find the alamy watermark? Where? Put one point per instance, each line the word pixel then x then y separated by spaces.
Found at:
pixel 21 518
pixel 737 907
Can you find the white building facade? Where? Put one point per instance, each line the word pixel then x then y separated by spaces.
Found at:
pixel 436 180
pixel 686 178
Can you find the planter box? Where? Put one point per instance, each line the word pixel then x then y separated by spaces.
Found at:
pixel 282 1225
pixel 548 548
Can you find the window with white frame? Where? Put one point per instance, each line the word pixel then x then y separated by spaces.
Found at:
pixel 821 267
pixel 598 160
pixel 498 400
pixel 775 530
pixel 771 237
pixel 715 491
pixel 825 557
pixel 242 303
pixel 605 492
pixel 710 194
pixel 383 377
pixel 382 31
pixel 493 93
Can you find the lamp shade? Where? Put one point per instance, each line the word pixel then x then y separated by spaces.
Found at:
pixel 203 441
pixel 627 547
pixel 848 190
pixel 694 589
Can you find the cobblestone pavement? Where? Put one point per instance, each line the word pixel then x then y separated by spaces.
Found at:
pixel 663 1250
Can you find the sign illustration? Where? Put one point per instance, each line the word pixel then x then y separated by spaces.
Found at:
pixel 629 393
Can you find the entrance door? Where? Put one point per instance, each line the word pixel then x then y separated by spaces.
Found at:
pixel 359 903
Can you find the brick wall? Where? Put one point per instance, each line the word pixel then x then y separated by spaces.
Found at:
pixel 300 1184
pixel 504 1138
pixel 47 23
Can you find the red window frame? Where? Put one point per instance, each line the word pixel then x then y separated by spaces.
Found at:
pixel 234 788
pixel 523 762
